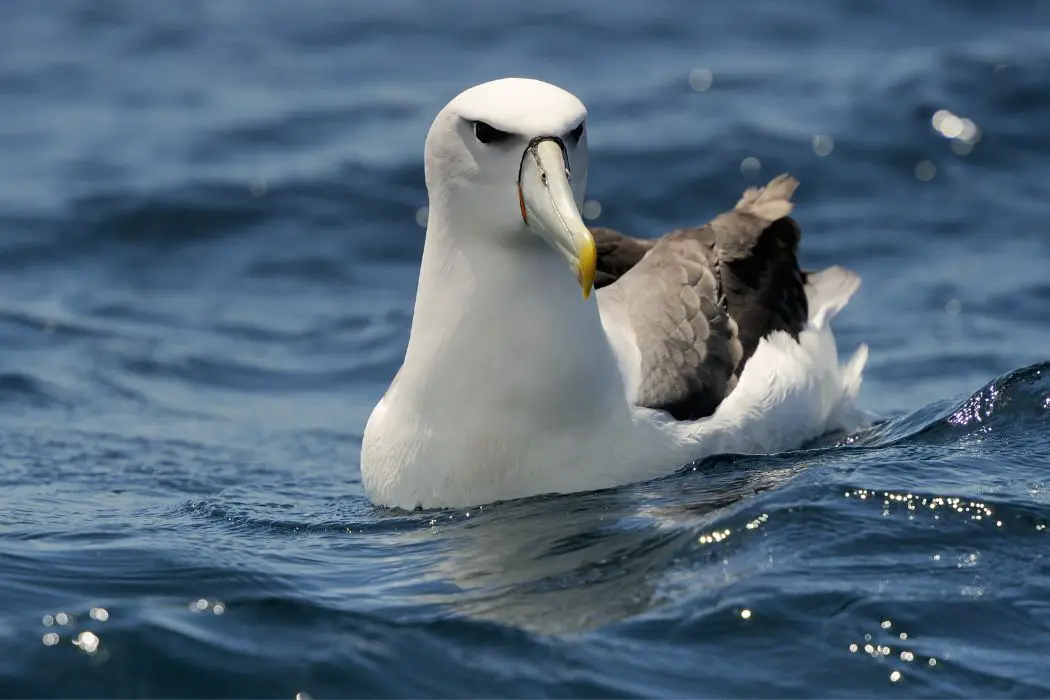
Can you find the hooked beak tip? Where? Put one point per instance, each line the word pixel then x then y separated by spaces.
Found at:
pixel 587 265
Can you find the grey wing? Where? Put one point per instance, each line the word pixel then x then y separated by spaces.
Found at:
pixel 617 253
pixel 687 345
pixel 701 300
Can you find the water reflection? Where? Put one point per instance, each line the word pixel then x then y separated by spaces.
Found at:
pixel 567 564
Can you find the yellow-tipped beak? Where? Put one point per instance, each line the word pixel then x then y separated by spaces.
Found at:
pixel 548 207
pixel 588 261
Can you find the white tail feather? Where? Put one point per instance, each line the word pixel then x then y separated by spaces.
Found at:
pixel 828 292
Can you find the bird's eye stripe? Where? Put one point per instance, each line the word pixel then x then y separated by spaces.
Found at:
pixel 486 133
pixel 577 132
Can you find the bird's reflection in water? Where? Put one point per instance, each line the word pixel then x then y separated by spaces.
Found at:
pixel 565 564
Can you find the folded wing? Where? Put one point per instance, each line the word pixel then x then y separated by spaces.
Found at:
pixel 698 301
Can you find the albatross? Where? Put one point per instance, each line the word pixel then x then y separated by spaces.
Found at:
pixel 704 341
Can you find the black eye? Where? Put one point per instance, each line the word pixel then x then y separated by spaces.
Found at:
pixel 488 134
pixel 577 132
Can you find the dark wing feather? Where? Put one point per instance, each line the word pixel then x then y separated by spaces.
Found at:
pixel 758 264
pixel 617 253
pixel 702 298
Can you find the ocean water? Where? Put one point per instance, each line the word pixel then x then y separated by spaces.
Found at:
pixel 209 240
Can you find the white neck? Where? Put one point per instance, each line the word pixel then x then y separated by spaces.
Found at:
pixel 506 331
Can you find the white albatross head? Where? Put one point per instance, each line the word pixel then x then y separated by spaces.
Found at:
pixel 513 153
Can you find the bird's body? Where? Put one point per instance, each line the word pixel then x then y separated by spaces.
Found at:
pixel 513 385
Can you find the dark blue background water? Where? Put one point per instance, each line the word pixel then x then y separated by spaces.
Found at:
pixel 209 242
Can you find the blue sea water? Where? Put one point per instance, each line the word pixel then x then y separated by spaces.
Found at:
pixel 209 239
